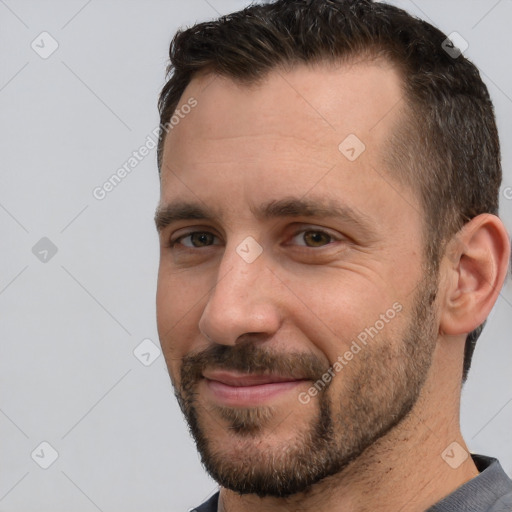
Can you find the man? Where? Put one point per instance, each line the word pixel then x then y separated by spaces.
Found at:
pixel 330 251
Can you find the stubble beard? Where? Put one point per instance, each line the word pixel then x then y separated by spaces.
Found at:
pixel 380 387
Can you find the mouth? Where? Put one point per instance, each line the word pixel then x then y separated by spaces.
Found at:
pixel 241 389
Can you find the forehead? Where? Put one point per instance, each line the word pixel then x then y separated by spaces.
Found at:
pixel 344 96
pixel 314 106
pixel 322 126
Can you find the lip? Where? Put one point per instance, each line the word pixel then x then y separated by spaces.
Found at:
pixel 237 389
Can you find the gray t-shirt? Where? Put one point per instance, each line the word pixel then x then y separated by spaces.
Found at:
pixel 490 491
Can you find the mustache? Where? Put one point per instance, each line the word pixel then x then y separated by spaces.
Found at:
pixel 251 358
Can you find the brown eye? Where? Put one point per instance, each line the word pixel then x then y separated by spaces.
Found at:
pixel 316 238
pixel 197 239
pixel 201 239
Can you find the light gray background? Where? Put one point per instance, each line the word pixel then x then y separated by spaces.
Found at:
pixel 68 327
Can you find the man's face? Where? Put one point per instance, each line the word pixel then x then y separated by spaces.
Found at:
pixel 287 259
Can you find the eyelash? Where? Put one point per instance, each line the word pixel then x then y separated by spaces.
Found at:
pixel 174 241
pixel 178 240
pixel 323 232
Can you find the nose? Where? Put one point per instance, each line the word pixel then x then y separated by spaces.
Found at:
pixel 244 301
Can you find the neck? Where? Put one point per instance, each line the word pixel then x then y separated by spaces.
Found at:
pixel 404 470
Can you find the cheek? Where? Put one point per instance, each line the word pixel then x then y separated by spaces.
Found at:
pixel 336 312
pixel 178 306
pixel 332 299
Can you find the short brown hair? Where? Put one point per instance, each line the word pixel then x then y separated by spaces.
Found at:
pixel 447 148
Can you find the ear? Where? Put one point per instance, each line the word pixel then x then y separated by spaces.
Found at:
pixel 473 270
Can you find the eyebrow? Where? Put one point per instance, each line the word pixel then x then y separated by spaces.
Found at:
pixel 169 213
pixel 287 207
pixel 320 208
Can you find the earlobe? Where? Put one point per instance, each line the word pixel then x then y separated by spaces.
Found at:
pixel 475 267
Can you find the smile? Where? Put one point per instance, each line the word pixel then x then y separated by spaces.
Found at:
pixel 237 389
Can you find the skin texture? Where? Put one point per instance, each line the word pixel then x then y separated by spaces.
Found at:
pixel 373 438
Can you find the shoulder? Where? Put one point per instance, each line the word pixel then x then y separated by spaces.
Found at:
pixel 490 491
pixel 208 506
